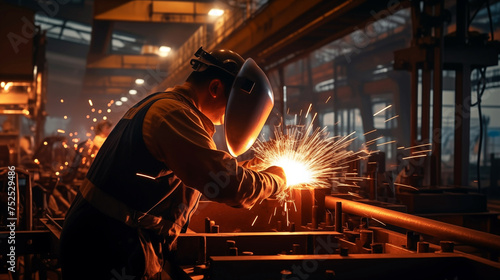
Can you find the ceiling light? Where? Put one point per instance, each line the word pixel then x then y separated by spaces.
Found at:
pixel 118 103
pixel 216 12
pixel 132 92
pixel 124 99
pixel 163 51
pixel 139 81
pixel 7 86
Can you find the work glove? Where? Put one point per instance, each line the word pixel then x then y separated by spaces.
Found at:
pixel 279 174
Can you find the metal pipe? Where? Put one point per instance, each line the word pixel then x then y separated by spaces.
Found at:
pixel 338 215
pixel 422 225
pixel 314 221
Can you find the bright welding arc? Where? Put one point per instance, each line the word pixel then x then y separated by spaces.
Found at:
pixel 309 157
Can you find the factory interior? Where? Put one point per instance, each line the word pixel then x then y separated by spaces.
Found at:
pixel 409 90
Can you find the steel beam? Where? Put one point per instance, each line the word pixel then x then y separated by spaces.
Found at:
pixel 430 227
pixel 437 109
pixel 259 243
pixel 117 61
pixel 354 266
pixel 462 126
pixel 462 101
pixel 112 92
pixel 285 29
pixel 109 81
pixel 101 37
pixel 289 28
pixel 153 11
pixel 279 16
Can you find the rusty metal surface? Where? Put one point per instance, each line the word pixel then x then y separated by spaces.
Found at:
pixel 315 255
pixel 153 11
pixel 232 219
pixel 361 266
pixel 258 243
pixel 269 215
pixel 437 229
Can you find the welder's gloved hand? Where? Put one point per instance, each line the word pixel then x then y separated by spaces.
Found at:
pixel 279 174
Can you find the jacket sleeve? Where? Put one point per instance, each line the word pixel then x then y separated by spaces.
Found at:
pixel 177 137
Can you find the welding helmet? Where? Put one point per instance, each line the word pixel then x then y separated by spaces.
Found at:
pixel 250 99
pixel 226 60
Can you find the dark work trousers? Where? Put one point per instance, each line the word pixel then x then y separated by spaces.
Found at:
pixel 94 246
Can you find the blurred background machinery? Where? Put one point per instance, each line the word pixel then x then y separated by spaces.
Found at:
pixel 415 82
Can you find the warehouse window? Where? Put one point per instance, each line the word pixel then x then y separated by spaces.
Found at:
pixel 352 78
pixel 80 33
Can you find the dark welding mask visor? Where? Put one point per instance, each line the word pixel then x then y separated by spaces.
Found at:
pixel 250 103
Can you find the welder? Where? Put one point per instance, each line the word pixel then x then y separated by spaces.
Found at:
pixel 160 158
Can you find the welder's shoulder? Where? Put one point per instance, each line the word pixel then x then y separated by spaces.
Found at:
pixel 165 107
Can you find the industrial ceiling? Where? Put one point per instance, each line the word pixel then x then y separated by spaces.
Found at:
pixel 277 31
pixel 118 40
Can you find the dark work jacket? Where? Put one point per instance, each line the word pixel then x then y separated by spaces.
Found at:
pixel 130 172
pixel 125 169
